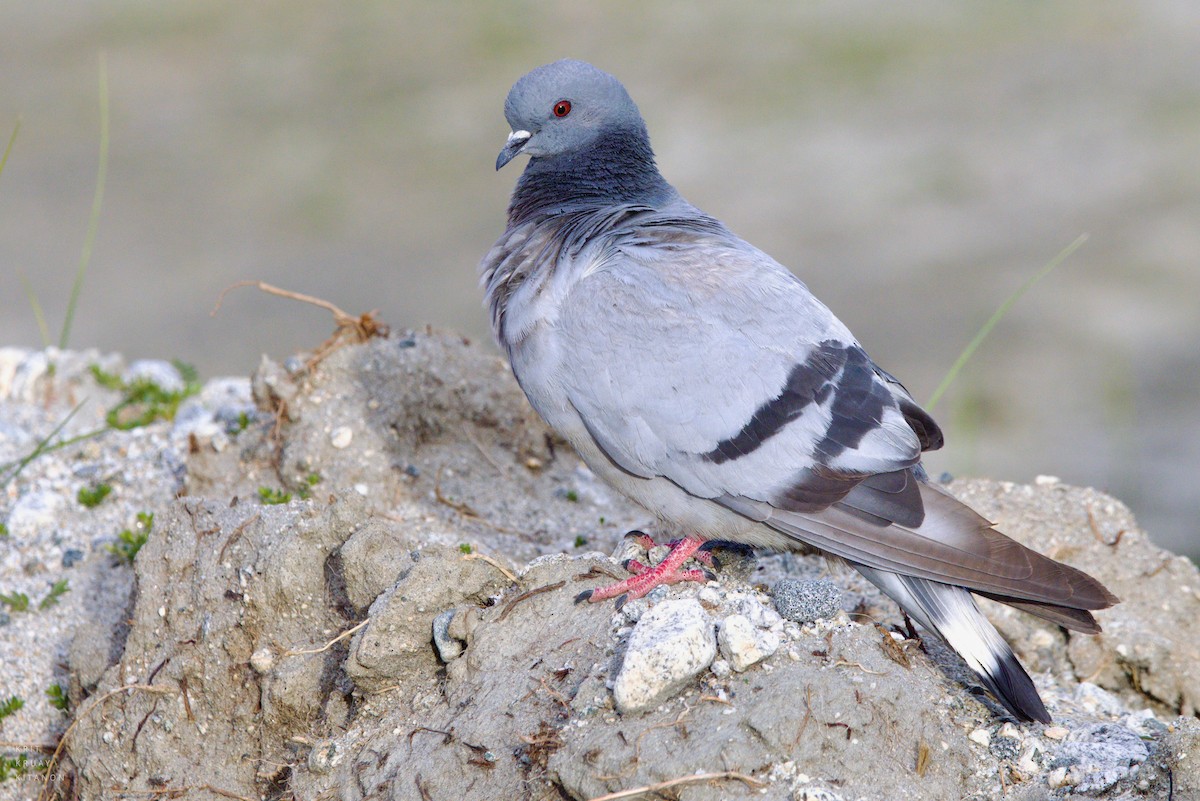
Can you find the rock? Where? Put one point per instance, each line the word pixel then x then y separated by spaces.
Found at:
pixel 670 645
pixel 1098 756
pixel 1180 750
pixel 375 557
pixel 448 647
pixel 399 639
pixel 742 645
pixel 804 601
pixel 237 637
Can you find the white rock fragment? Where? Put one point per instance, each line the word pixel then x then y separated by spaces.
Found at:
pixel 742 644
pixel 981 736
pixel 671 643
pixel 262 660
pixel 341 437
pixel 1057 778
pixel 1055 732
pixel 33 513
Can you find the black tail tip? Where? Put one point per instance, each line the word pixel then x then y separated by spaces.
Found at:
pixel 1013 687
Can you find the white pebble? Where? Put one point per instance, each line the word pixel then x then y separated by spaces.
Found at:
pixel 742 645
pixel 671 643
pixel 341 437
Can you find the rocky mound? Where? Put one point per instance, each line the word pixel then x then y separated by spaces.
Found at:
pixel 358 582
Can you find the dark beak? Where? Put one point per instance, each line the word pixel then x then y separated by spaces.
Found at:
pixel 516 141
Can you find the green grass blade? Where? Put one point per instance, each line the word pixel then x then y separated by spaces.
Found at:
pixel 10 470
pixel 97 201
pixel 11 141
pixel 996 317
pixel 38 314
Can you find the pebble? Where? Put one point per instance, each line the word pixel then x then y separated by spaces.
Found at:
pixel 324 757
pixel 982 736
pixel 448 647
pixel 262 660
pixel 671 643
pixel 1054 732
pixel 341 437
pixel 743 645
pixel 806 600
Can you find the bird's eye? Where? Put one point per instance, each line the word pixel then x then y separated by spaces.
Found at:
pixel 562 108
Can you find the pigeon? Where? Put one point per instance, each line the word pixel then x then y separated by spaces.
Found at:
pixel 702 379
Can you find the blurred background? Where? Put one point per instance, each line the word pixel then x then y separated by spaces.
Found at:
pixel 914 163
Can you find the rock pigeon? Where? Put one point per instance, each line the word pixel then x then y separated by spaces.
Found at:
pixel 700 378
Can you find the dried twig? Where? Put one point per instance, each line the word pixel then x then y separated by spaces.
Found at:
pixel 461 508
pixel 558 585
pixel 508 574
pixel 347 633
pixel 96 701
pixel 733 775
pixel 844 663
pixel 349 328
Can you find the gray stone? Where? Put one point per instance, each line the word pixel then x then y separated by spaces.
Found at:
pixel 448 647
pixel 806 600
pixel 1098 756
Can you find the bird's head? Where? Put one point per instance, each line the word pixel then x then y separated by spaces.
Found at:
pixel 561 108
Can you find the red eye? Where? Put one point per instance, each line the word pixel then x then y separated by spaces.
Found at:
pixel 562 108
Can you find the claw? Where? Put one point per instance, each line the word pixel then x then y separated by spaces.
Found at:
pixel 647 578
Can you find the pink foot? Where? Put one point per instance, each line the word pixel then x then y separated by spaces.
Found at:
pixel 646 578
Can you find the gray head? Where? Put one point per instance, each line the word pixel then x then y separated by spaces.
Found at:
pixel 562 108
pixel 588 144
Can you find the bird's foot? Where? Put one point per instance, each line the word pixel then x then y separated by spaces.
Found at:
pixel 645 578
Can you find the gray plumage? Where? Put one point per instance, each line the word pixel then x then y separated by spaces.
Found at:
pixel 702 379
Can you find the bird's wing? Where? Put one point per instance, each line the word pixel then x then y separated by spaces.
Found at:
pixel 692 356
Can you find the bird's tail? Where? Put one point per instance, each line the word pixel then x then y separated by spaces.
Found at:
pixel 951 613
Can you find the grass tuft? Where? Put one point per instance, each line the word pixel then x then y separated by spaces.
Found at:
pixel 143 401
pixel 91 497
pixel 15 601
pixel 57 590
pixel 273 497
pixel 130 541
pixel 10 707
pixel 58 697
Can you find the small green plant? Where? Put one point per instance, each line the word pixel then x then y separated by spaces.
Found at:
pixel 16 601
pixel 129 541
pixel 273 497
pixel 572 496
pixel 3 530
pixel 57 590
pixel 243 422
pixel 580 541
pixel 143 401
pixel 10 707
pixel 91 497
pixel 310 481
pixel 465 547
pixel 58 697
pixel 12 767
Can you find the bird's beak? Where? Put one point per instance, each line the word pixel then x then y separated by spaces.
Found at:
pixel 516 141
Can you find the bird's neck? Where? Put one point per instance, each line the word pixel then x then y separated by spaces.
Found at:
pixel 616 168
